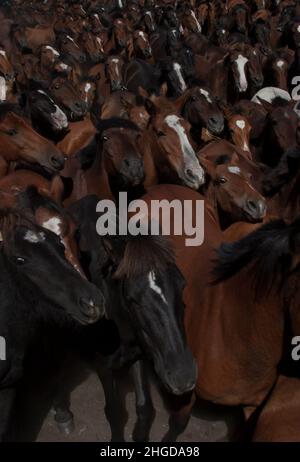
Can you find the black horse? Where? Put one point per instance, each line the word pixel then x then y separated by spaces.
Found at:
pixel 38 286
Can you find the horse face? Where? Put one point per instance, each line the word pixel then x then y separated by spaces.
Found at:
pixel 93 47
pixel 38 257
pixel 114 71
pixel 283 122
pixel 66 96
pixel 172 135
pixel 155 306
pixel 42 107
pixel 202 109
pixel 240 128
pixel 23 143
pixel 236 196
pixel 254 66
pixel 6 69
pixel 141 44
pixel 123 160
pixel 68 46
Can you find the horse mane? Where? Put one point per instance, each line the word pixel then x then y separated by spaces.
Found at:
pixel 285 171
pixel 280 102
pixel 267 249
pixel 12 218
pixel 115 122
pixel 143 254
pixel 9 107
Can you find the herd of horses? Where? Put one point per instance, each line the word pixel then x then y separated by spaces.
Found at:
pixel 163 99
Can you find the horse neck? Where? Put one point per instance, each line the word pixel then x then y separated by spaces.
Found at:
pixel 97 177
pixel 211 199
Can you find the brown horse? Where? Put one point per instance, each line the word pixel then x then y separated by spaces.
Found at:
pixel 68 97
pixel 230 192
pixel 226 327
pixel 111 162
pixel 168 147
pixel 278 420
pixel 19 142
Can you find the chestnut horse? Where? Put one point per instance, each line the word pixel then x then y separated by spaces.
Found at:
pixel 236 336
pixel 19 142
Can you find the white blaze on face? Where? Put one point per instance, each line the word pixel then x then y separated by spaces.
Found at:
pixel 54 52
pixel 59 118
pixel 240 124
pixel 177 69
pixel 234 169
pixel 280 63
pixel 87 88
pixel 298 28
pixel 63 66
pixel 120 3
pixel 142 35
pixel 196 21
pixel 72 40
pixel 3 89
pixel 189 157
pixel 241 63
pixel 98 40
pixel 53 224
pixel 205 93
pixel 33 237
pixel 153 285
pixel 3 53
pixel 115 61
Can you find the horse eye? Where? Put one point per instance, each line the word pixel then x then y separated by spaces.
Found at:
pixel 222 179
pixel 19 260
pixel 160 133
pixel 12 132
pixel 194 98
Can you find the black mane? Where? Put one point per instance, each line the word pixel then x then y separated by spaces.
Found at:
pixel 267 249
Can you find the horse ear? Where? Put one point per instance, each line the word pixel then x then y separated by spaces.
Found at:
pixel 142 92
pixel 150 107
pixel 57 188
pixel 265 104
pixel 163 89
pixel 208 166
pixel 235 158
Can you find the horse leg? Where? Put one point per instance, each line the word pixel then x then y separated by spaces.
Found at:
pixel 144 406
pixel 63 416
pixel 179 416
pixel 7 398
pixel 115 404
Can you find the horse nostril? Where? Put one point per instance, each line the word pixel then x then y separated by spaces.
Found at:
pixel 90 309
pixel 189 173
pixel 252 205
pixel 57 162
pixel 82 59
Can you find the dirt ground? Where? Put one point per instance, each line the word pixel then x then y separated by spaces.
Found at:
pixel 36 421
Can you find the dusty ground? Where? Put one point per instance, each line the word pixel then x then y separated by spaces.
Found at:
pixel 36 422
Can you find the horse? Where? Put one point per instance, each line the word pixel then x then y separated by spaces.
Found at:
pixel 68 98
pixel 200 108
pixel 230 192
pixel 112 161
pixel 136 305
pixel 168 147
pixel 235 340
pixel 46 116
pixel 21 143
pixel 32 264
